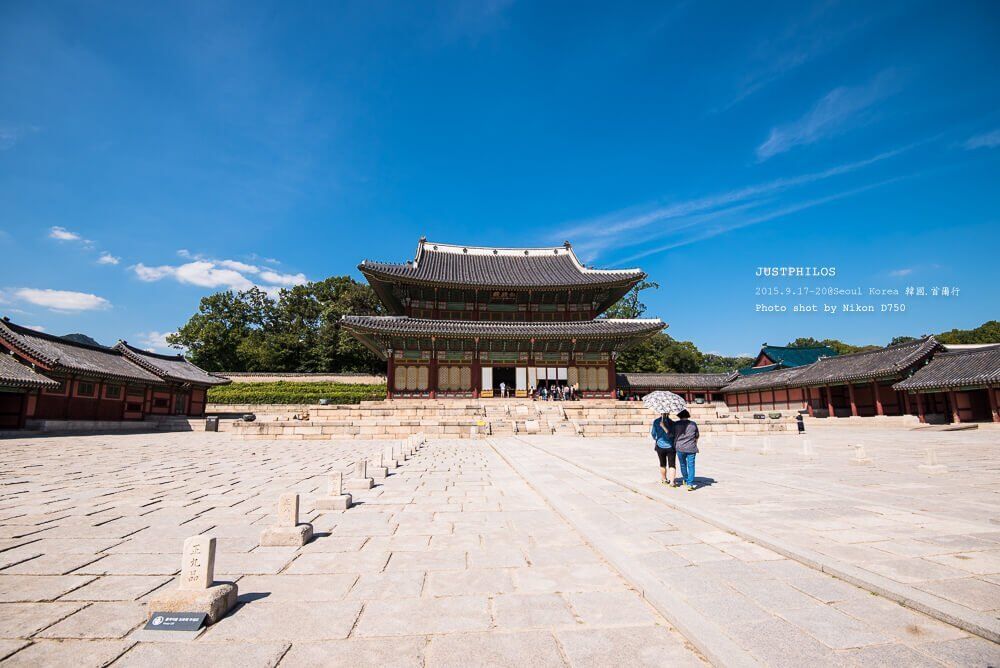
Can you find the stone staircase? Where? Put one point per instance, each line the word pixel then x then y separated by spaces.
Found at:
pixel 471 418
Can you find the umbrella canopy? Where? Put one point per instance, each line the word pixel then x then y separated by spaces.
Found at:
pixel 662 401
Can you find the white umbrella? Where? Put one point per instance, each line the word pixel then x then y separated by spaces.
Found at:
pixel 662 401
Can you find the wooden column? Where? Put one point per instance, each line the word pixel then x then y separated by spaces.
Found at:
pixel 829 401
pixel 991 392
pixel 878 399
pixel 920 407
pixel 390 373
pixel 477 372
pixel 612 381
pixel 953 400
pixel 854 404
pixel 906 402
pixel 432 374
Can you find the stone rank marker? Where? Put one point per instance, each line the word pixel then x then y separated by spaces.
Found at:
pixel 336 499
pixel 360 479
pixel 197 590
pixel 389 458
pixel 287 532
pixel 379 470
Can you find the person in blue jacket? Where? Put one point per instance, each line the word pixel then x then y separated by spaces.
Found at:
pixel 664 447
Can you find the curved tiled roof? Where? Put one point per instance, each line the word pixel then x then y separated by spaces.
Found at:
pixel 666 381
pixel 57 352
pixel 882 363
pixel 171 367
pixel 962 368
pixel 765 381
pixel 541 268
pixel 403 325
pixel 13 373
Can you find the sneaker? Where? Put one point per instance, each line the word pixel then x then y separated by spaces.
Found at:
pixel 690 488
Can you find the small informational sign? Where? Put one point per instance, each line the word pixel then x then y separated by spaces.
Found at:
pixel 175 621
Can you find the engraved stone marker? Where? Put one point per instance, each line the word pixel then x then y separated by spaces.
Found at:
pixel 287 532
pixel 288 510
pixel 361 468
pixel 197 593
pixel 336 483
pixel 198 565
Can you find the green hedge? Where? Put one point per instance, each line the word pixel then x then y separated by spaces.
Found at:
pixel 283 392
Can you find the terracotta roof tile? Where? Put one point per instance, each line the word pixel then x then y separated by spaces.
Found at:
pixel 171 367
pixel 14 373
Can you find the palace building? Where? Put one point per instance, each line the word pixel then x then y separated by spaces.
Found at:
pixel 51 379
pixel 465 321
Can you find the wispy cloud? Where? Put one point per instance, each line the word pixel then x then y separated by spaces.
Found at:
pixel 108 258
pixel 11 135
pixel 609 231
pixel 61 300
pixel 985 140
pixel 836 112
pixel 730 224
pixel 800 41
pixel 901 272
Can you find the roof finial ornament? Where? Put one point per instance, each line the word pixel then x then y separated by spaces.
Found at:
pixel 423 238
pixel 567 244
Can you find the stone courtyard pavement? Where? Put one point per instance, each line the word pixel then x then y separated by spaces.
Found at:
pixel 544 550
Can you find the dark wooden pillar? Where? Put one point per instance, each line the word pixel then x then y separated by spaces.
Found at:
pixel 991 392
pixel 432 380
pixel 878 399
pixel 477 372
pixel 809 400
pixel 906 402
pixel 829 401
pixel 920 407
pixel 854 404
pixel 390 373
pixel 953 400
pixel 612 380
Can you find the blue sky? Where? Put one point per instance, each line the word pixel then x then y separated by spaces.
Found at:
pixel 154 153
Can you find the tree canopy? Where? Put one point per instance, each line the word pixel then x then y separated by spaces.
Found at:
pixel 298 332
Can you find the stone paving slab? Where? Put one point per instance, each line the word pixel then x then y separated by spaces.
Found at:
pixel 873 525
pixel 452 559
pixel 778 611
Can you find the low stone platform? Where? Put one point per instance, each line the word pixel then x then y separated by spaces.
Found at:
pixel 464 418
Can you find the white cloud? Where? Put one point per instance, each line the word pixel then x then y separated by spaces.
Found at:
pixel 108 258
pixel 37 328
pixel 150 274
pixel 156 342
pixel 985 140
pixel 212 273
pixel 208 275
pixel 62 300
pixel 833 114
pixel 239 266
pixel 285 280
pixel 901 272
pixel 62 234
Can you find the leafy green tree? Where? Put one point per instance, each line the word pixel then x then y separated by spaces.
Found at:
pixel 631 306
pixel 988 332
pixel 300 331
pixel 896 340
pixel 841 347
pixel 711 363
pixel 660 353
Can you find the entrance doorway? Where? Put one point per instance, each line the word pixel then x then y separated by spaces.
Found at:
pixel 506 375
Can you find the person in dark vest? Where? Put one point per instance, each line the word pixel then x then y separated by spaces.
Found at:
pixel 684 432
